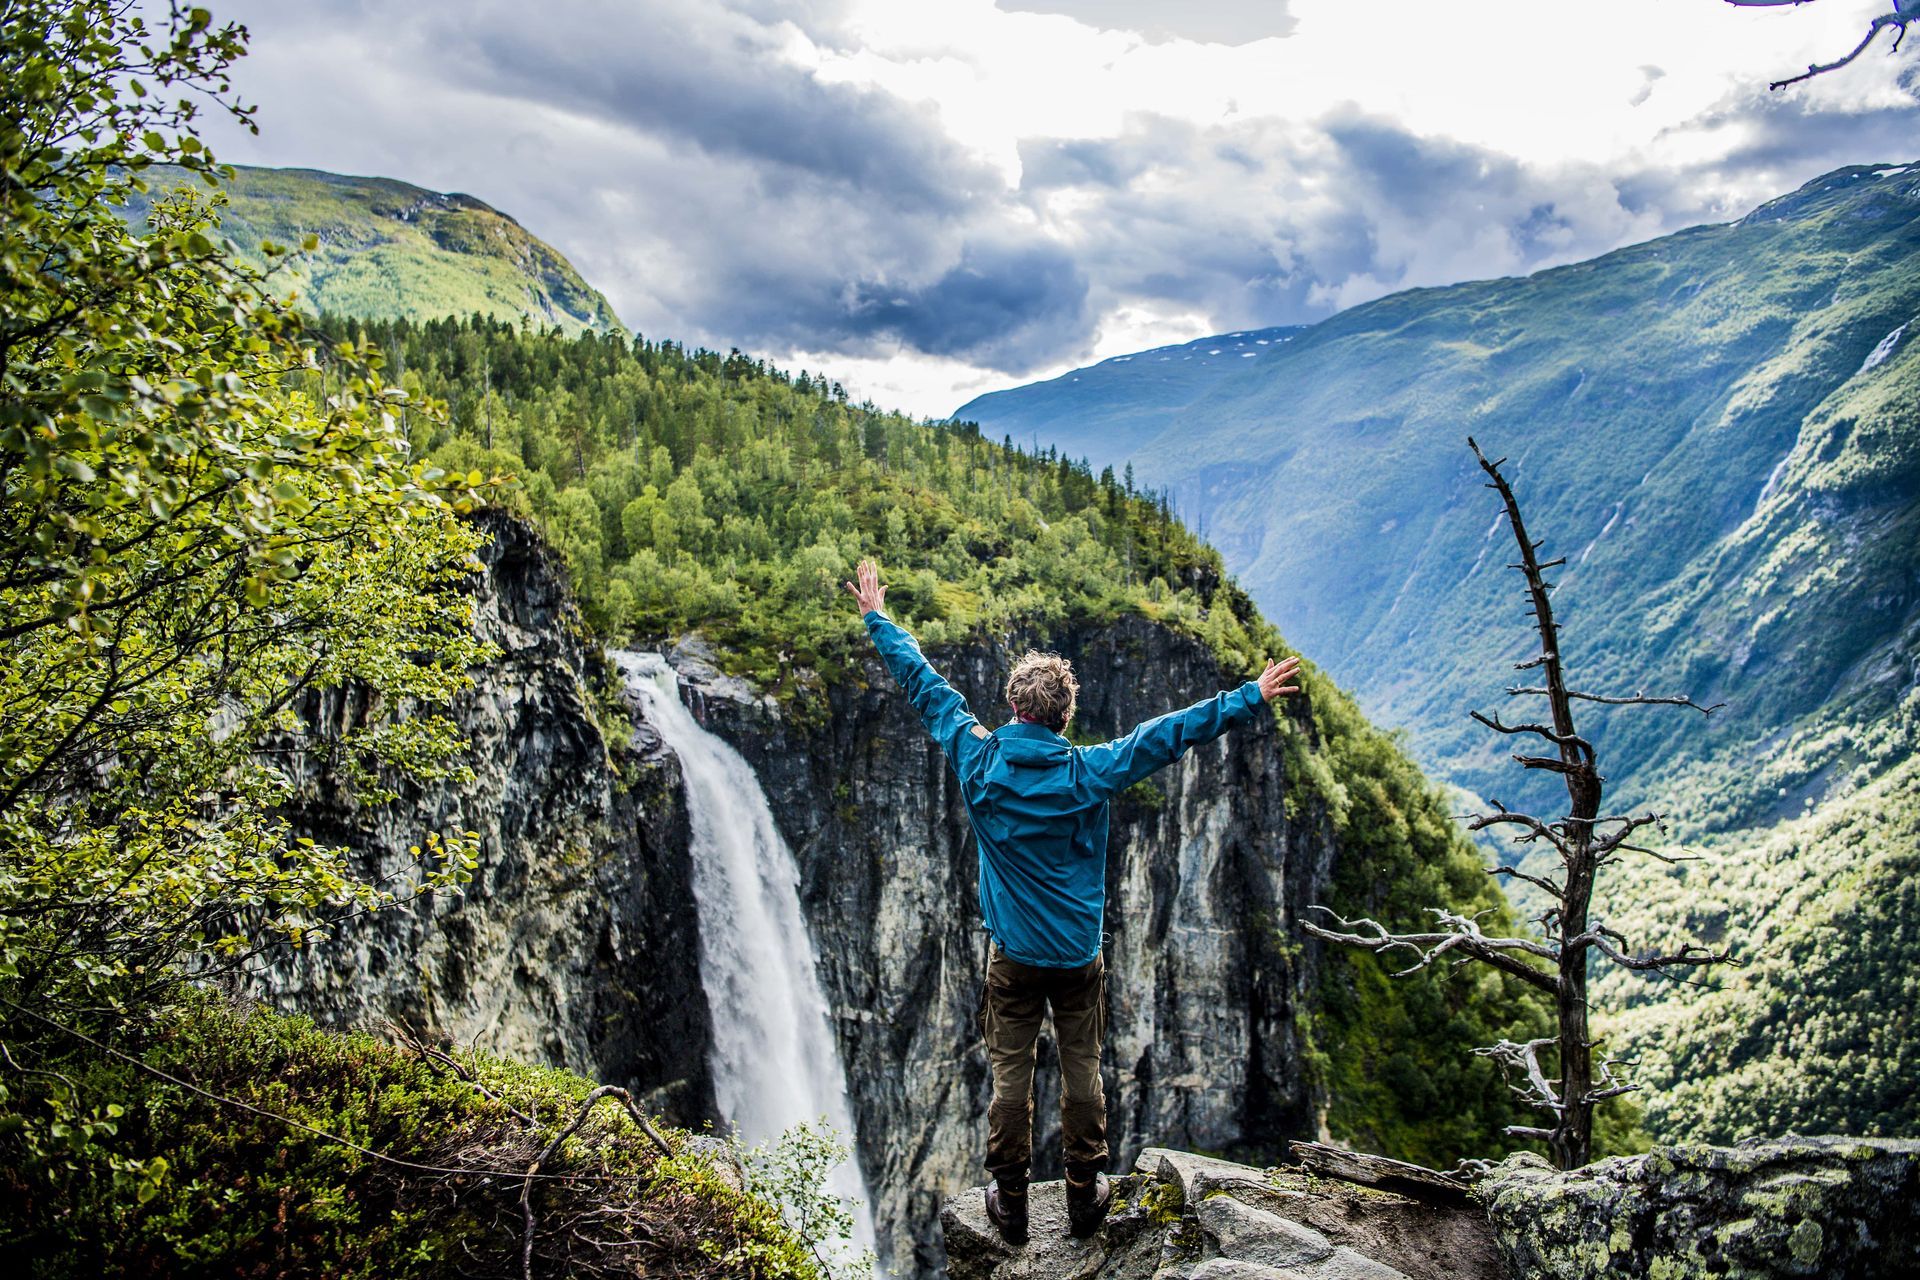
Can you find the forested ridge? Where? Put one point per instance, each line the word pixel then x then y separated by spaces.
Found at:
pixel 689 490
pixel 382 247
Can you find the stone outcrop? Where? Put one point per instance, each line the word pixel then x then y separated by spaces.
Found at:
pixel 1188 1217
pixel 1837 1208
pixel 1209 864
pixel 1830 1207
pixel 576 942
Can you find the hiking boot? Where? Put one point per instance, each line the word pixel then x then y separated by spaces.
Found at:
pixel 1087 1204
pixel 1007 1209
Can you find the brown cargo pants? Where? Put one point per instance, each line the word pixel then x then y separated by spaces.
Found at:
pixel 1013 1002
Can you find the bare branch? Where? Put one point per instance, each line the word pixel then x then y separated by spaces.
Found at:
pixel 1461 934
pixel 1558 739
pixel 1671 859
pixel 1558 892
pixel 1550 763
pixel 1614 947
pixel 1637 700
pixel 1537 1092
pixel 1628 825
pixel 1610 1085
pixel 1504 817
pixel 1896 22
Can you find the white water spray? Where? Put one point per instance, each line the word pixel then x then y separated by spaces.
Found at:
pixel 775 1062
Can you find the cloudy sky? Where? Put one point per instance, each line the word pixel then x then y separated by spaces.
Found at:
pixel 935 198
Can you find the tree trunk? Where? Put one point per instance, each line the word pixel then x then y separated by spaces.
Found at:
pixel 1572 1140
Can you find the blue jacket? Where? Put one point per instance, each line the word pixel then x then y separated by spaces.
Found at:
pixel 1038 803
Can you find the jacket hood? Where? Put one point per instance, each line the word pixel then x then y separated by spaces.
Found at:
pixel 1032 745
pixel 1035 753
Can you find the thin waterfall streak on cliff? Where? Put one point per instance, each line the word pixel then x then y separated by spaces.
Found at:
pixel 775 1060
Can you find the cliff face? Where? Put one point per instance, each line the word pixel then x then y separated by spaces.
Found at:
pixel 576 943
pixel 1207 867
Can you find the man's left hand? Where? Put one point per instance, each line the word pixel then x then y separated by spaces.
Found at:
pixel 1274 681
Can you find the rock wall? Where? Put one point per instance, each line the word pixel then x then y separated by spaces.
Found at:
pixel 1208 867
pixel 576 943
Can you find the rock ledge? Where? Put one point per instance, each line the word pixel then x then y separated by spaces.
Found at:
pixel 1187 1217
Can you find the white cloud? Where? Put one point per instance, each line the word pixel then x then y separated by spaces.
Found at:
pixel 933 198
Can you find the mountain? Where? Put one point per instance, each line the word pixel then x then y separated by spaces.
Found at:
pixel 1123 401
pixel 1716 428
pixel 390 249
pixel 1720 431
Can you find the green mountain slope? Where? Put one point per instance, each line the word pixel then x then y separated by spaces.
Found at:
pixel 1721 431
pixel 1815 1034
pixel 1721 424
pixel 389 249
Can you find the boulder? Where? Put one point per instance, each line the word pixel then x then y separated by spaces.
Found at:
pixel 1791 1206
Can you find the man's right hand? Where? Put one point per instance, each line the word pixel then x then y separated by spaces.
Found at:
pixel 867 592
pixel 1273 681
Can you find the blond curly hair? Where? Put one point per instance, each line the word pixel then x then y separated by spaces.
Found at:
pixel 1041 685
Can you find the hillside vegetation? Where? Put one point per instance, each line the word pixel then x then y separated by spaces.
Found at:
pixel 255 1182
pixel 1720 430
pixel 387 248
pixel 687 490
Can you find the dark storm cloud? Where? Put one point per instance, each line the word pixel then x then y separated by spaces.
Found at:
pixel 998 304
pixel 1231 22
pixel 1265 226
pixel 710 77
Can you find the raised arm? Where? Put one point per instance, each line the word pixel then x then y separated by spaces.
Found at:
pixel 1114 766
pixel 941 707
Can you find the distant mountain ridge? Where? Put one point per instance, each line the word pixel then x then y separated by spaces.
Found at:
pixel 1694 409
pixel 389 249
pixel 1123 397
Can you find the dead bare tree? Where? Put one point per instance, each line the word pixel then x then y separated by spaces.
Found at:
pixel 1570 935
pixel 1904 12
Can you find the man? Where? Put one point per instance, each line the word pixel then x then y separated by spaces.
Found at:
pixel 1038 805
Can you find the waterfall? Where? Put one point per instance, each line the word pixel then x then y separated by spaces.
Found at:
pixel 775 1061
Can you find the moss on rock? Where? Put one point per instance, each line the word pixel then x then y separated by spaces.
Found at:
pixel 1792 1206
